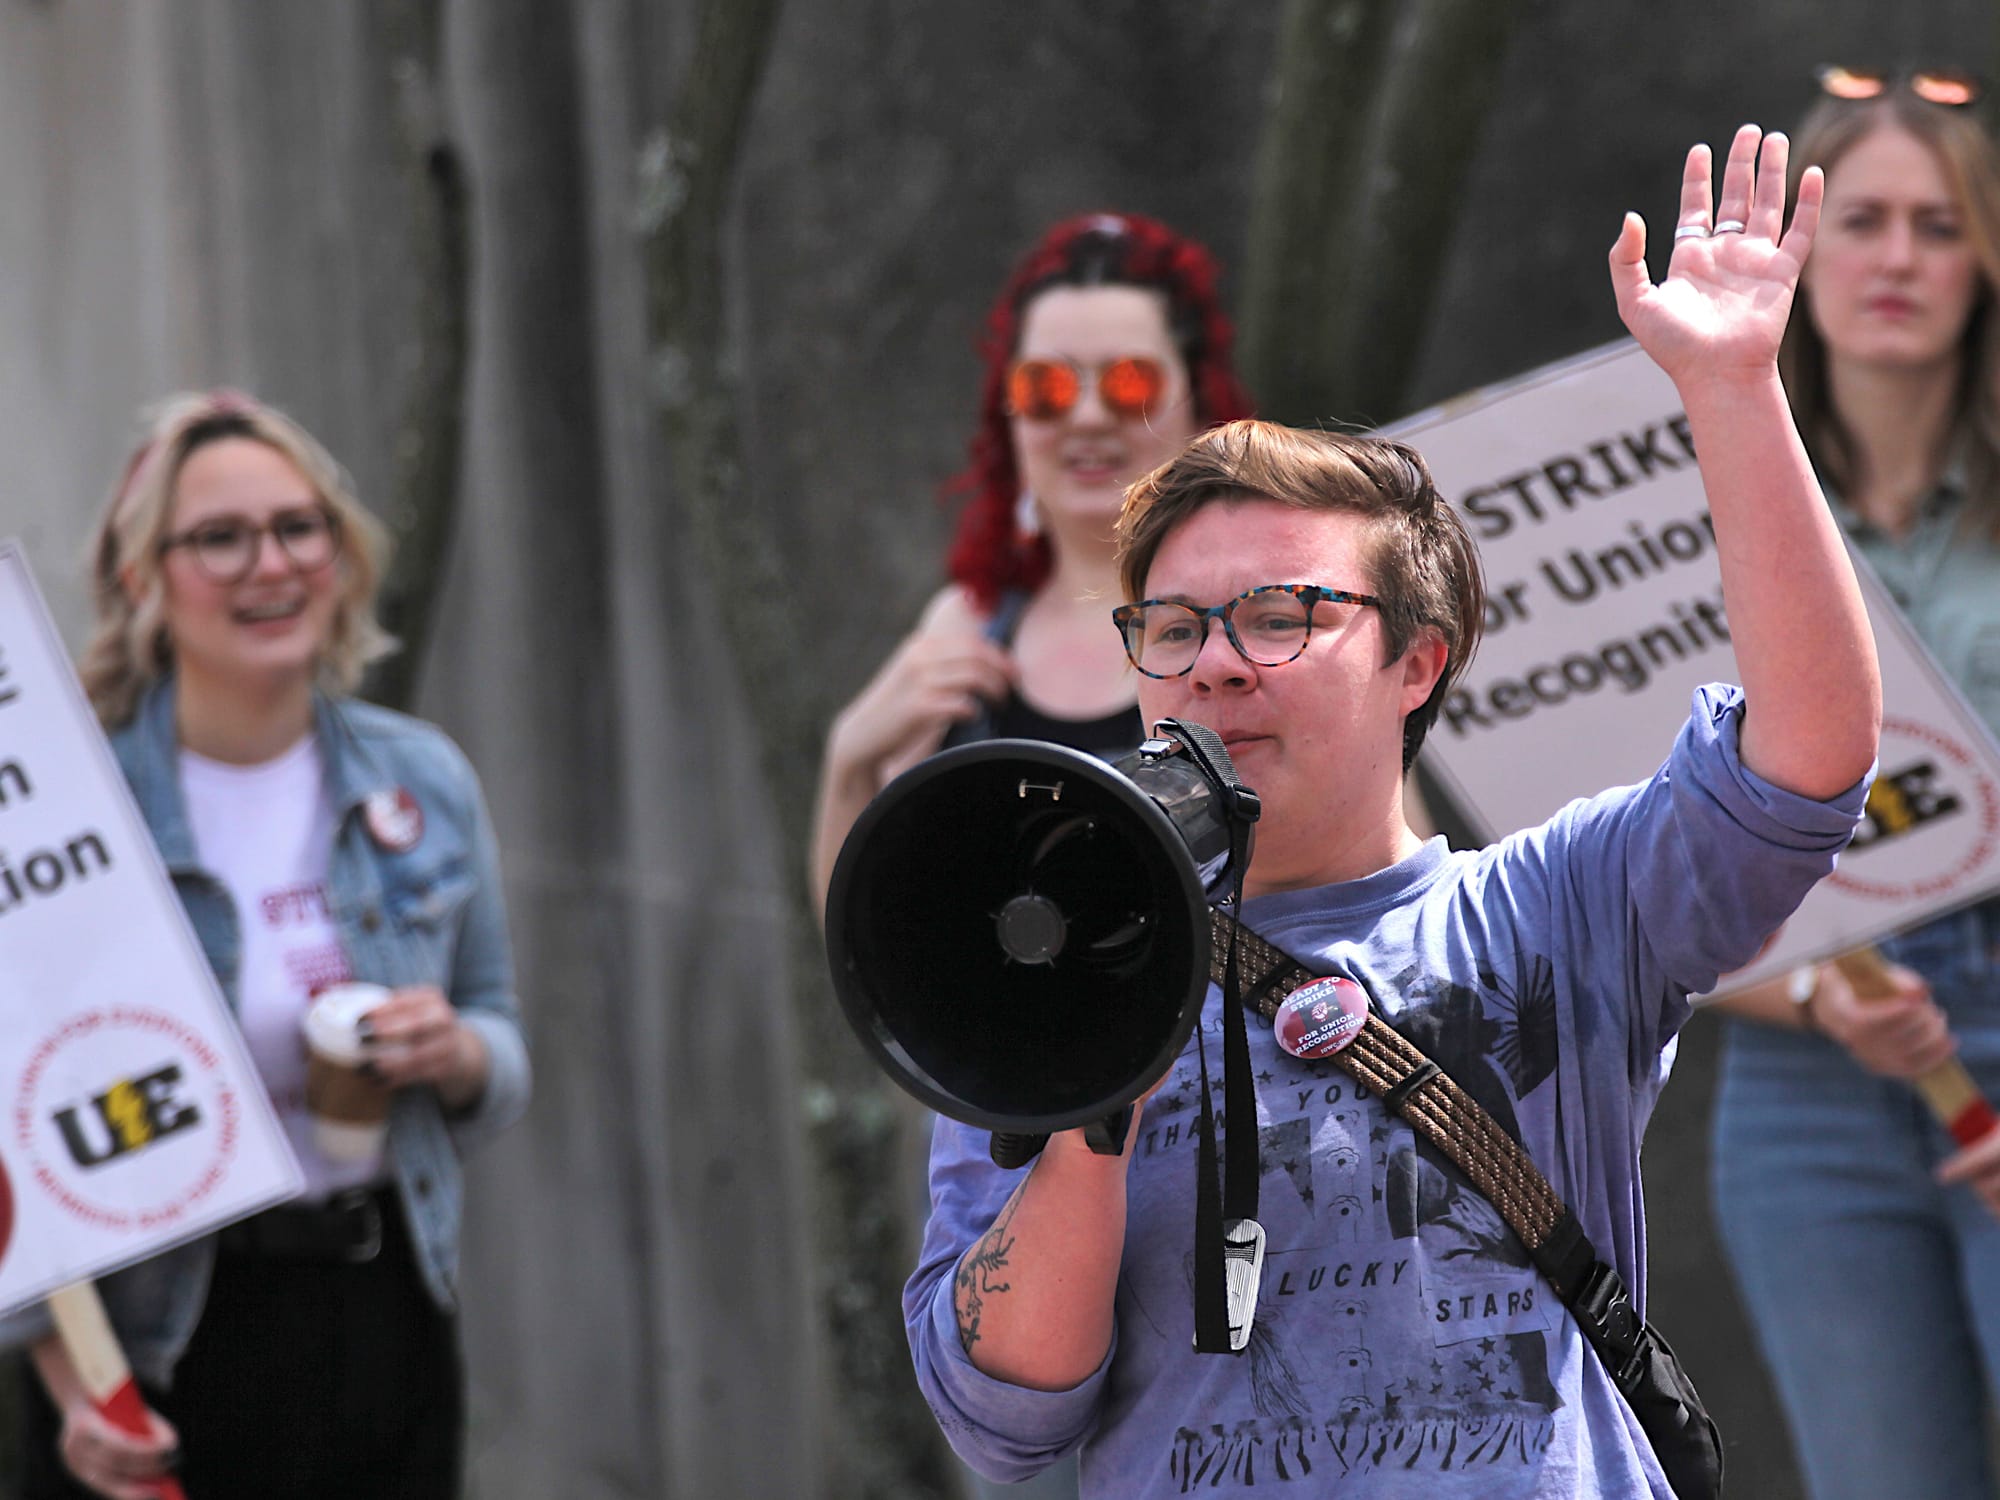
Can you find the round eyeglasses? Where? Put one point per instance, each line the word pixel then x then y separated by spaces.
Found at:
pixel 225 548
pixel 1268 625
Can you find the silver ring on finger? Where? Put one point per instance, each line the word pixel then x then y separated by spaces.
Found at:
pixel 1730 226
pixel 1692 232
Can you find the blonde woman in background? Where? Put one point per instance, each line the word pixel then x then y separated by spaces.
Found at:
pixel 311 1350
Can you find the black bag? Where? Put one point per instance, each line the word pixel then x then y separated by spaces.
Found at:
pixel 1641 1364
pixel 1684 1436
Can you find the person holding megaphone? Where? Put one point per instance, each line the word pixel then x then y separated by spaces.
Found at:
pixel 1384 1325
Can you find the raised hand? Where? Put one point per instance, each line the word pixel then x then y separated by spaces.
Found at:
pixel 1722 309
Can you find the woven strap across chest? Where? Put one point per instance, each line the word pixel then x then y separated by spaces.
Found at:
pixel 1411 1085
pixel 1639 1361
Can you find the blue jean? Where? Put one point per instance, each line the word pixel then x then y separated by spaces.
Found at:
pixel 1875 1294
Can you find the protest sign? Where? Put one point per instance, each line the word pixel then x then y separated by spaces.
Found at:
pixel 1605 612
pixel 133 1118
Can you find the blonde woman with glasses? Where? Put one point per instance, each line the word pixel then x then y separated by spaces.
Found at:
pixel 311 1350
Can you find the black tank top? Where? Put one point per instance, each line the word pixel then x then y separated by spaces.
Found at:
pixel 1013 718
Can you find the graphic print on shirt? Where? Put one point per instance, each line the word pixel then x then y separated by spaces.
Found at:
pixel 266 833
pixel 301 925
pixel 1401 1325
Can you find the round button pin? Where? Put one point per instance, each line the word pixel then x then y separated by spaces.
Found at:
pixel 1320 1018
pixel 394 819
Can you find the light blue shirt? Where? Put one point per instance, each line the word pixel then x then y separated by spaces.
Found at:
pixel 1944 574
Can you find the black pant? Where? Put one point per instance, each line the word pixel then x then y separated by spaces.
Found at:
pixel 305 1378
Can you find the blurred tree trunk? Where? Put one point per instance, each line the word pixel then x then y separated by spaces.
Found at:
pixel 429 439
pixel 1439 93
pixel 1308 195
pixel 1372 126
pixel 879 1439
pixel 1373 121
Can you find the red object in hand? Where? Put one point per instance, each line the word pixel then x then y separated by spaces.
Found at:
pixel 124 1409
pixel 100 1365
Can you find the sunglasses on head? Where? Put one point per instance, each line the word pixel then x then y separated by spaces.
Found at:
pixel 1045 389
pixel 1946 86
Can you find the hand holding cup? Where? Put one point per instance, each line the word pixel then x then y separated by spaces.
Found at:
pixel 416 1037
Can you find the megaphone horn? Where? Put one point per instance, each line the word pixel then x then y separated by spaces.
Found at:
pixel 1018 931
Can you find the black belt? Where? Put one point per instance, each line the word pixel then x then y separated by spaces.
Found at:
pixel 347 1227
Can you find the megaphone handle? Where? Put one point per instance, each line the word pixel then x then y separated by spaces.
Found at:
pixel 1011 1149
pixel 1107 1136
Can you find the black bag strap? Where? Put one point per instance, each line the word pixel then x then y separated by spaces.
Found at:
pixel 1219 1208
pixel 1239 1189
pixel 1640 1363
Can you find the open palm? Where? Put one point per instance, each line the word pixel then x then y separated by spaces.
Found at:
pixel 1728 291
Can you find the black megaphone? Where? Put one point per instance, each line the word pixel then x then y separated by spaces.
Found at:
pixel 1019 932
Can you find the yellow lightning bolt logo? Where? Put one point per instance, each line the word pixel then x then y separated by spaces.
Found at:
pixel 1889 807
pixel 125 1109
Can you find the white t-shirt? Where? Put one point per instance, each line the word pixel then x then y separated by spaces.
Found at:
pixel 266 832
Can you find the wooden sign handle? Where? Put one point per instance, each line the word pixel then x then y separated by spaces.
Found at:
pixel 100 1365
pixel 1948 1089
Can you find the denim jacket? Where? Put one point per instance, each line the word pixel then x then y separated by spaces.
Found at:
pixel 430 914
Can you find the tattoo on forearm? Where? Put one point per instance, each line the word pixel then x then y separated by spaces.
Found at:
pixel 976 1280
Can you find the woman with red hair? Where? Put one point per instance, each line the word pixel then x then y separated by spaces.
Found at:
pixel 1106 351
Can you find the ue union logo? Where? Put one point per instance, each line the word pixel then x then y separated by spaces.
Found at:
pixel 1932 822
pixel 123 1116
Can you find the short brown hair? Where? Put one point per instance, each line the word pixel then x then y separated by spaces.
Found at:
pixel 1423 566
pixel 128 648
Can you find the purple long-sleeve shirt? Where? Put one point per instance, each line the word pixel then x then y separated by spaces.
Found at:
pixel 1403 1345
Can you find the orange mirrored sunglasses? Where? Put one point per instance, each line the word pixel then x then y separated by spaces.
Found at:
pixel 1045 389
pixel 1946 86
